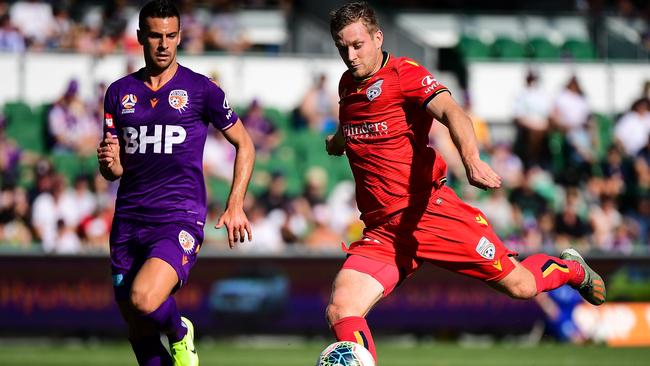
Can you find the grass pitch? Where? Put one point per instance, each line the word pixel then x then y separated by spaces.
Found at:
pixel 301 353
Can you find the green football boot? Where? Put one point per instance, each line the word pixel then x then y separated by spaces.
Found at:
pixel 183 351
pixel 592 287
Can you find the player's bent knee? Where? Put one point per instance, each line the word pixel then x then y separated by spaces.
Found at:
pixel 522 290
pixel 144 302
pixel 336 312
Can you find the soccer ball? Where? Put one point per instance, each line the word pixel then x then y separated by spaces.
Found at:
pixel 345 354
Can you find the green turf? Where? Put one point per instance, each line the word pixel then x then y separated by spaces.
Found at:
pixel 297 353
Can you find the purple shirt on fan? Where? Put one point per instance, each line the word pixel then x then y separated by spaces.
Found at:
pixel 162 134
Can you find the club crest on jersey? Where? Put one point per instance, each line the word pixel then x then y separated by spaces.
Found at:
pixel 374 90
pixel 485 248
pixel 128 103
pixel 178 100
pixel 186 241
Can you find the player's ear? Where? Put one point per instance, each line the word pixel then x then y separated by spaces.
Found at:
pixel 378 38
pixel 178 40
pixel 140 35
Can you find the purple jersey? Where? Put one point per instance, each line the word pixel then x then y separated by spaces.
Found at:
pixel 162 134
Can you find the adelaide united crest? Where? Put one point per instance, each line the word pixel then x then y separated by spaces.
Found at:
pixel 374 90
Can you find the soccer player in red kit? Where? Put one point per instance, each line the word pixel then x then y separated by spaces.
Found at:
pixel 387 106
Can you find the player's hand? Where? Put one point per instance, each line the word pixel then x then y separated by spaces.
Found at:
pixel 236 224
pixel 481 175
pixel 108 152
pixel 334 145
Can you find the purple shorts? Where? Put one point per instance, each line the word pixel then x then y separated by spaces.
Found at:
pixel 132 242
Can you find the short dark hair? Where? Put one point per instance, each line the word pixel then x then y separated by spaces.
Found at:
pixel 351 13
pixel 158 9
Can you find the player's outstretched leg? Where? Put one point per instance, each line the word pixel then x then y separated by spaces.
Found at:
pixel 592 287
pixel 183 351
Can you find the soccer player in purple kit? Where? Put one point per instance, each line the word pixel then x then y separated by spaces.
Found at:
pixel 155 126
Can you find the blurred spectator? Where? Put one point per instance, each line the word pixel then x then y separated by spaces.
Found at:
pixel 14 217
pixel 616 173
pixel 193 23
pixel 507 165
pixel 10 38
pixel 322 237
pixel 319 107
pixel 266 230
pixel 86 202
pixel 66 240
pixel 35 21
pixel 218 156
pixel 571 116
pixel 315 190
pixel 605 220
pixel 61 37
pixel 225 31
pixel 641 218
pixel 633 129
pixel 10 156
pixel 264 135
pixel 531 110
pixel 49 210
pixel 275 196
pixel 481 129
pixel 527 204
pixel 498 211
pixel 346 221
pixel 297 220
pixel 570 229
pixel 70 126
pixel 115 17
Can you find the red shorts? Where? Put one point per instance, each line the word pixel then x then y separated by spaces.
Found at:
pixel 446 232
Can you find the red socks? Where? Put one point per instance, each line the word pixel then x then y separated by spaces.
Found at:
pixel 552 272
pixel 355 329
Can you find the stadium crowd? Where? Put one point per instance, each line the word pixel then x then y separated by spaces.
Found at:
pixel 571 177
pixel 101 28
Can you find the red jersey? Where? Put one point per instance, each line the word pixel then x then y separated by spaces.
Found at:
pixel 386 128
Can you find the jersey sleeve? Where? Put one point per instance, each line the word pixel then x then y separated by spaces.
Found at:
pixel 417 84
pixel 217 110
pixel 110 111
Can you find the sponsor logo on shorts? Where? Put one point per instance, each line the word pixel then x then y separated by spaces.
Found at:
pixel 118 280
pixel 485 248
pixel 374 90
pixel 187 241
pixel 497 264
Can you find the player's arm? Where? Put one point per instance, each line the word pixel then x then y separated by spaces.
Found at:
pixel 448 112
pixel 234 217
pixel 335 144
pixel 108 155
pixel 108 151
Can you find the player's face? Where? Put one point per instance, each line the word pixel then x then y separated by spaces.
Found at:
pixel 359 49
pixel 160 39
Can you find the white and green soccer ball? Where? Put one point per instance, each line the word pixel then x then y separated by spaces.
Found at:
pixel 345 354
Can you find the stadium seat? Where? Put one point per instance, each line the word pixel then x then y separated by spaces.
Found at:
pixel 605 131
pixel 579 49
pixel 26 126
pixel 279 118
pixel 504 47
pixel 542 48
pixel 69 165
pixel 473 48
